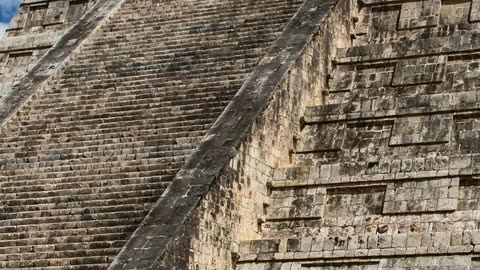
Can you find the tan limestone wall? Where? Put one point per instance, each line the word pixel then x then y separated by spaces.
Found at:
pixel 233 209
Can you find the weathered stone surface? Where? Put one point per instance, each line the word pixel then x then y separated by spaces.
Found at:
pixel 394 145
pixel 352 144
pixel 136 85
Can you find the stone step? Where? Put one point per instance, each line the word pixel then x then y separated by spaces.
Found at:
pixel 114 137
pixel 65 161
pixel 113 122
pixel 146 82
pixel 210 104
pixel 106 103
pixel 166 47
pixel 174 75
pixel 142 91
pixel 149 82
pixel 45 155
pixel 58 262
pixel 147 88
pixel 164 37
pixel 102 205
pixel 68 232
pixel 68 225
pixel 34 196
pixel 164 63
pixel 113 130
pixel 82 217
pixel 127 166
pixel 7 246
pixel 196 20
pixel 54 255
pixel 85 173
pixel 86 266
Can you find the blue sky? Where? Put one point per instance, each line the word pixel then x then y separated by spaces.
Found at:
pixel 8 8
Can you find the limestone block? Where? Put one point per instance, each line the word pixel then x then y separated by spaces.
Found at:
pixel 37 14
pixel 56 12
pixel 467 132
pixel 343 80
pixel 354 201
pixel 455 11
pixel 475 11
pixel 383 19
pixel 421 70
pixel 421 130
pixel 421 196
pixel 418 14
pixel 469 194
pixel 296 203
pixel 324 137
pixel 17 63
pixel 76 9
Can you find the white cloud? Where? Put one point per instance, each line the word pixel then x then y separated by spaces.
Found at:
pixel 3 27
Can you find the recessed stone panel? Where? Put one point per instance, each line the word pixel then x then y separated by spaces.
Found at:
pixel 367 138
pixel 36 15
pixel 343 80
pixel 321 138
pixel 421 196
pixel 469 197
pixel 18 63
pixel 431 129
pixel 419 14
pixel 383 19
pixel 423 70
pixel 454 11
pixel 56 12
pixel 467 132
pixel 354 201
pixel 373 76
pixel 76 10
pixel 296 203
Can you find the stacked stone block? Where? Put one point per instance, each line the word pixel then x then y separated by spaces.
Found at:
pixel 85 159
pixel 391 154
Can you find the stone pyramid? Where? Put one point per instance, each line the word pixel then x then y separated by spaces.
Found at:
pixel 241 135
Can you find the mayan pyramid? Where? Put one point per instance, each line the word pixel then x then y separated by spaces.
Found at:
pixel 240 135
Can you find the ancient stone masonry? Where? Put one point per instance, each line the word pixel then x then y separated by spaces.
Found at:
pixel 385 172
pixel 83 161
pixel 351 138
pixel 36 27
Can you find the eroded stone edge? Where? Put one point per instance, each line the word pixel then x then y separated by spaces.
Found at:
pixel 218 147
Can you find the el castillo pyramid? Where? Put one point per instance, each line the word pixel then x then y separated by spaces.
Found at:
pixel 240 135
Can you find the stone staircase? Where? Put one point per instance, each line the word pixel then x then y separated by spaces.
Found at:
pixel 384 174
pixel 82 163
